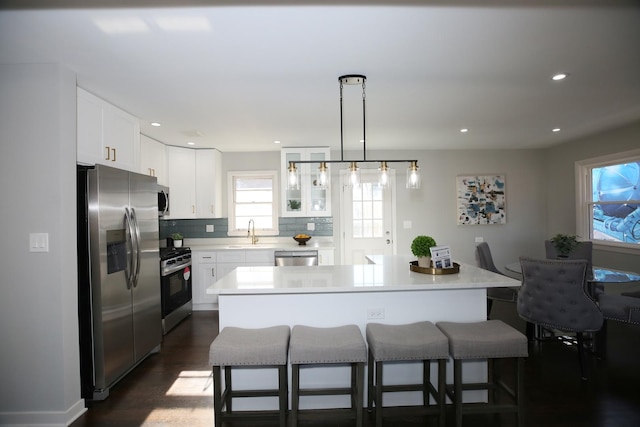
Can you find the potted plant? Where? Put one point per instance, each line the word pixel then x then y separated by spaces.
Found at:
pixel 177 240
pixel 295 205
pixel 421 248
pixel 564 244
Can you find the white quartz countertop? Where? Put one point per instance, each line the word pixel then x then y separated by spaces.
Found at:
pixel 392 273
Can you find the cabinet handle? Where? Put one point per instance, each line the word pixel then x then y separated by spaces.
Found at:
pixel 213 272
pixel 193 208
pixel 108 153
pixel 113 150
pixel 206 257
pixel 211 208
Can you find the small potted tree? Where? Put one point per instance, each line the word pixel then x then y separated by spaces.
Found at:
pixel 421 248
pixel 177 240
pixel 564 244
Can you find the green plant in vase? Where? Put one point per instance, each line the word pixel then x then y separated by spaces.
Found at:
pixel 565 243
pixel 177 240
pixel 295 205
pixel 421 248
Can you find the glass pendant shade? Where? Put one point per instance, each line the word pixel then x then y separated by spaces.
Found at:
pixel 354 175
pixel 293 181
pixel 323 175
pixel 383 180
pixel 413 176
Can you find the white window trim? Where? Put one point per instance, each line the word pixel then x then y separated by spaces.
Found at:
pixel 235 231
pixel 583 195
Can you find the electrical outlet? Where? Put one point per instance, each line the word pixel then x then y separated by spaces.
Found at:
pixel 375 313
pixel 479 239
pixel 311 226
pixel 209 228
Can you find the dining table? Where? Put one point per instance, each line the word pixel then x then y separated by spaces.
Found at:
pixel 600 277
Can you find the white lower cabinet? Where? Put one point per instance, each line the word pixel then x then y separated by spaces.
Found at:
pixel 211 265
pixel 206 274
pixel 325 256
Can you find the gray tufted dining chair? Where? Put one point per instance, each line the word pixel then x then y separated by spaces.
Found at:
pixel 553 295
pixel 621 308
pixel 484 260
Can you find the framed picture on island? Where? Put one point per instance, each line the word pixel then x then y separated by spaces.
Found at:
pixel 441 257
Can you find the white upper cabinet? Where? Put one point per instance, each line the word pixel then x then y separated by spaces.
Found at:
pixel 208 179
pixel 106 134
pixel 153 159
pixel 182 182
pixel 194 181
pixel 309 199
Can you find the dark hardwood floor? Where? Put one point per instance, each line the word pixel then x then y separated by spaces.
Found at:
pixel 173 388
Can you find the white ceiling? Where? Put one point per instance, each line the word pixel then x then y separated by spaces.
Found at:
pixel 239 77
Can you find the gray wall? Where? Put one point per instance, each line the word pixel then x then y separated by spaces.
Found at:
pixel 432 209
pixel 38 306
pixel 560 184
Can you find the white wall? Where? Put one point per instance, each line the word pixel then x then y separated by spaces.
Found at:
pixel 38 302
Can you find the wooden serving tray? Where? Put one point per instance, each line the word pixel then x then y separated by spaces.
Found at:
pixel 413 266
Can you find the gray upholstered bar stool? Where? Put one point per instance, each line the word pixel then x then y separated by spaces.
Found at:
pixel 490 340
pixel 420 341
pixel 249 348
pixel 313 347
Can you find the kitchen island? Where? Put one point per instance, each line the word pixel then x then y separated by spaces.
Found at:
pixel 325 296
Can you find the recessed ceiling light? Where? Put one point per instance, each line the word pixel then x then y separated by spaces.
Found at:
pixel 559 76
pixel 156 124
pixel 276 142
pixel 464 130
pixel 191 143
pixel 555 130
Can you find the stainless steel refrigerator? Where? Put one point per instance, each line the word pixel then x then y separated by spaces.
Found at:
pixel 118 275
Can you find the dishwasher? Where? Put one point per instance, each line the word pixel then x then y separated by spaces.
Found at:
pixel 284 258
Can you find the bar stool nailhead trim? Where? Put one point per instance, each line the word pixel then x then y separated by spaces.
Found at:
pixel 249 348
pixel 420 341
pixel 491 340
pixel 312 346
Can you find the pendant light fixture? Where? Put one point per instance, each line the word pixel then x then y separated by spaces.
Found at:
pixel 413 172
pixel 383 180
pixel 413 176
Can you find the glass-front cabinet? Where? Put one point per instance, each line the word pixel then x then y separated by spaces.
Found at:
pixel 309 198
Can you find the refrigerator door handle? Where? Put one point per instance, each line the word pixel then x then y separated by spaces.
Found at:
pixel 136 229
pixel 131 267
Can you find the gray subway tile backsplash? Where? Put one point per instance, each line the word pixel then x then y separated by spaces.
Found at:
pixel 197 228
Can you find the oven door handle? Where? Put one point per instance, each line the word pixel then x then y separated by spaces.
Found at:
pixel 169 270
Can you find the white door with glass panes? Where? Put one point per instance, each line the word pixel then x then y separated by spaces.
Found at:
pixel 309 198
pixel 367 217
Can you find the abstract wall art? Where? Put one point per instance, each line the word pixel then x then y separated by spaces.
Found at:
pixel 481 199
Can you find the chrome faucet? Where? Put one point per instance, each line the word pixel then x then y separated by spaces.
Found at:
pixel 251 232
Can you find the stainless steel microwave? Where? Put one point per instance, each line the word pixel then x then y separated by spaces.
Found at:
pixel 163 200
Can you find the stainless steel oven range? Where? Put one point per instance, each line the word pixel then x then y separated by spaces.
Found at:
pixel 175 285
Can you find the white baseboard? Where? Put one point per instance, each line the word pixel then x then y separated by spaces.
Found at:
pixel 42 418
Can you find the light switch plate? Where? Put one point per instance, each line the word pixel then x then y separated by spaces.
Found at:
pixel 406 225
pixel 311 226
pixel 209 228
pixel 39 242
